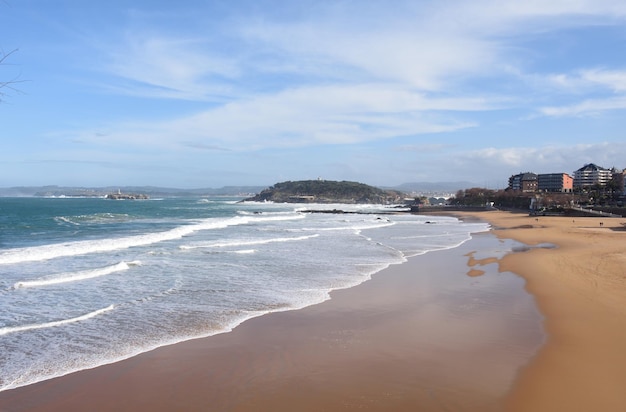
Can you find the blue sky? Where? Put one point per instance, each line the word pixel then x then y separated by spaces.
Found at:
pixel 212 93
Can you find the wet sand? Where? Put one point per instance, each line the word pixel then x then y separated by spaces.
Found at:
pixel 580 288
pixel 446 331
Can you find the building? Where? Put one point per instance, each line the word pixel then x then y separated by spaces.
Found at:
pixel 591 175
pixel 525 182
pixel 555 182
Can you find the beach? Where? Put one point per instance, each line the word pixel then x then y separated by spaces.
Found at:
pixel 472 328
pixel 580 288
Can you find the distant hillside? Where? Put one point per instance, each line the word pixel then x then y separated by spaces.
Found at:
pixel 147 190
pixel 434 187
pixel 325 191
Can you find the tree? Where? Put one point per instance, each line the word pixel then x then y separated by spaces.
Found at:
pixel 475 196
pixel 7 84
pixel 616 184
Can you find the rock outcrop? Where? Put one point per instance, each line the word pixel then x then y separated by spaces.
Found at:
pixel 127 196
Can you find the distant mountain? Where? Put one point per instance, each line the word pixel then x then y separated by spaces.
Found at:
pixel 425 188
pixel 434 187
pixel 327 191
pixel 147 190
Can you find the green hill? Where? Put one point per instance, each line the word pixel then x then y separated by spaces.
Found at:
pixel 325 191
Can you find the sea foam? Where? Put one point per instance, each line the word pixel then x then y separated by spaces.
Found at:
pixel 13 329
pixel 75 276
pixel 237 243
pixel 56 250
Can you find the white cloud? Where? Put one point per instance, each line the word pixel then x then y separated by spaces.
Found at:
pixel 591 107
pixel 583 81
pixel 419 47
pixel 547 159
pixel 534 16
pixel 168 67
pixel 403 47
pixel 614 80
pixel 305 116
pixel 349 73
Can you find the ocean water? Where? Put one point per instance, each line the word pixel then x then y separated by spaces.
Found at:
pixel 89 281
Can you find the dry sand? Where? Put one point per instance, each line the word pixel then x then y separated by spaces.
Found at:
pixel 580 288
pixel 448 331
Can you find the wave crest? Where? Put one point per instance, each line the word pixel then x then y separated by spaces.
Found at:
pixel 237 243
pixel 56 250
pixel 76 276
pixel 13 329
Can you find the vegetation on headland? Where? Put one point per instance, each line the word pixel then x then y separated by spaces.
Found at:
pixel 327 191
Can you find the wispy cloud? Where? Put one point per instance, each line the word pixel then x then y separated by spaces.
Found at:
pixel 170 67
pixel 305 116
pixel 585 81
pixel 427 50
pixel 614 80
pixel 461 81
pixel 590 107
pixel 552 158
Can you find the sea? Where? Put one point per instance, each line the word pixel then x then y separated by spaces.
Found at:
pixel 91 281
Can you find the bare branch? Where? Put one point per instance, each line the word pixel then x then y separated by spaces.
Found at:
pixel 4 56
pixel 8 84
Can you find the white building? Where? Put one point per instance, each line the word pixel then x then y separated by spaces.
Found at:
pixel 590 175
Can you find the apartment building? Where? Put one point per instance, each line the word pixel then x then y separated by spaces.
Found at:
pixel 586 177
pixel 525 182
pixel 555 182
pixel 590 175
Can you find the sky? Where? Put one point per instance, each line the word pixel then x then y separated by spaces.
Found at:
pixel 194 94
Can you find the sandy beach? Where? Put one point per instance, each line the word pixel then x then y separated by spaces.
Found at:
pixel 466 329
pixel 580 288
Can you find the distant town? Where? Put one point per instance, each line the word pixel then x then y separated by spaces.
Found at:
pixel 590 176
pixel 591 189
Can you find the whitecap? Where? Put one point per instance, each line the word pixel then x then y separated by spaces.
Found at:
pixel 75 276
pixel 23 328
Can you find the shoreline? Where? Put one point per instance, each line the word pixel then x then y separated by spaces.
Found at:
pixel 580 288
pixel 355 351
pixel 392 342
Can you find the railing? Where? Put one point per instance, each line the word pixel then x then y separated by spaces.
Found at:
pixel 594 212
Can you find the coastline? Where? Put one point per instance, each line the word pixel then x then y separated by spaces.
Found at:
pixel 428 333
pixel 415 336
pixel 580 288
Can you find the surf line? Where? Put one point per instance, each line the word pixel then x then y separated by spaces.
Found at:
pixel 248 242
pixel 76 276
pixel 23 328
